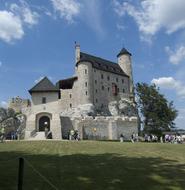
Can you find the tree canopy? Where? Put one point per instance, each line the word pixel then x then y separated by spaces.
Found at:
pixel 156 112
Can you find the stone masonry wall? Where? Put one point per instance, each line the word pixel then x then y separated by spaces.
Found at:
pixel 103 128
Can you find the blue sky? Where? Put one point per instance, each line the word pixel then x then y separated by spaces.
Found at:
pixel 37 39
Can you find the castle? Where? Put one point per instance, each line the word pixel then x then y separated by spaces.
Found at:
pixel 98 101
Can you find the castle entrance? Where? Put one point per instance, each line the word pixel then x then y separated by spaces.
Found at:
pixel 44 122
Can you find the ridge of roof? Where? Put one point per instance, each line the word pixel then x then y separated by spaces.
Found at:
pixel 44 85
pixel 102 64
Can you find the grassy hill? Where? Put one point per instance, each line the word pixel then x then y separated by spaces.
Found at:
pixel 94 165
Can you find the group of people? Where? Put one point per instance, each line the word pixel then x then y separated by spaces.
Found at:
pixel 74 135
pixel 150 138
pixel 176 139
pixel 134 137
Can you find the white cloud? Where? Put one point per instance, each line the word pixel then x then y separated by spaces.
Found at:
pixel 25 13
pixel 13 21
pixel 67 8
pixel 177 56
pixel 4 104
pixel 171 84
pixel 154 15
pixel 120 27
pixel 10 26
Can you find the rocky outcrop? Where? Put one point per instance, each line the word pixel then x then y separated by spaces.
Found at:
pixel 123 107
pixel 80 111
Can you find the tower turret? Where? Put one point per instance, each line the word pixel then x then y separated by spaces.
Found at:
pixel 124 61
pixel 77 52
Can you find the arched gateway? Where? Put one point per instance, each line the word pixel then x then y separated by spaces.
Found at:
pixel 43 121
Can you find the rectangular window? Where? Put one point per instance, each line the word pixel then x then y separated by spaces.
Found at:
pixel 86 84
pixel 108 78
pixel 70 95
pixel 108 89
pixel 70 105
pixel 44 100
pixel 95 81
pixel 85 71
pixel 122 80
pixel 123 90
pixel 96 91
pixel 116 79
pixel 102 87
pixel 101 76
pixel 114 89
pixel 96 100
pixel 86 93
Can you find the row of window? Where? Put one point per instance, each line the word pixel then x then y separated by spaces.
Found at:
pixel 108 77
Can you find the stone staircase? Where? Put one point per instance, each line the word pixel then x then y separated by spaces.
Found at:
pixel 38 136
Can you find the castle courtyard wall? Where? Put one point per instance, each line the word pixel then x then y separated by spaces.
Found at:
pixel 103 128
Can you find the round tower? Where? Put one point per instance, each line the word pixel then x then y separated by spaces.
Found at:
pixel 124 61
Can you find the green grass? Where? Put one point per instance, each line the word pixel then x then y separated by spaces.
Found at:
pixel 88 165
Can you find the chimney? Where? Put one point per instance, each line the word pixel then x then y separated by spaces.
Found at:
pixel 77 52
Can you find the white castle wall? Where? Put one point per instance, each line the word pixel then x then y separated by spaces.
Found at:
pixel 102 97
pixel 101 128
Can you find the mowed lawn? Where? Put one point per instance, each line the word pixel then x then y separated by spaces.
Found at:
pixel 89 165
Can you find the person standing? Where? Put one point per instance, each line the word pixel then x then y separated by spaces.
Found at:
pixel 2 134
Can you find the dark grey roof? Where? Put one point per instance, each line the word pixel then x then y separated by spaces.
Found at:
pixel 66 83
pixel 101 64
pixel 45 85
pixel 124 51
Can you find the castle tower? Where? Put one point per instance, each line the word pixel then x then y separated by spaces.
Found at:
pixel 124 61
pixel 77 52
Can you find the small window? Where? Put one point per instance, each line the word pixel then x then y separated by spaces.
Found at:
pixel 70 95
pixel 86 93
pixel 101 76
pixel 116 79
pixel 102 87
pixel 108 89
pixel 95 70
pixel 95 81
pixel 96 91
pixel 123 81
pixel 44 100
pixel 123 90
pixel 118 89
pixel 86 84
pixel 96 100
pixel 108 78
pixel 85 71
pixel 70 105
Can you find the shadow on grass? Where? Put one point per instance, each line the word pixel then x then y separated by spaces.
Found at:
pixel 101 171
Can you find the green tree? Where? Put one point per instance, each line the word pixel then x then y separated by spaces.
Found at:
pixel 156 112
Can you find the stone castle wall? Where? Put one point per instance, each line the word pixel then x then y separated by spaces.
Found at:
pixel 100 128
